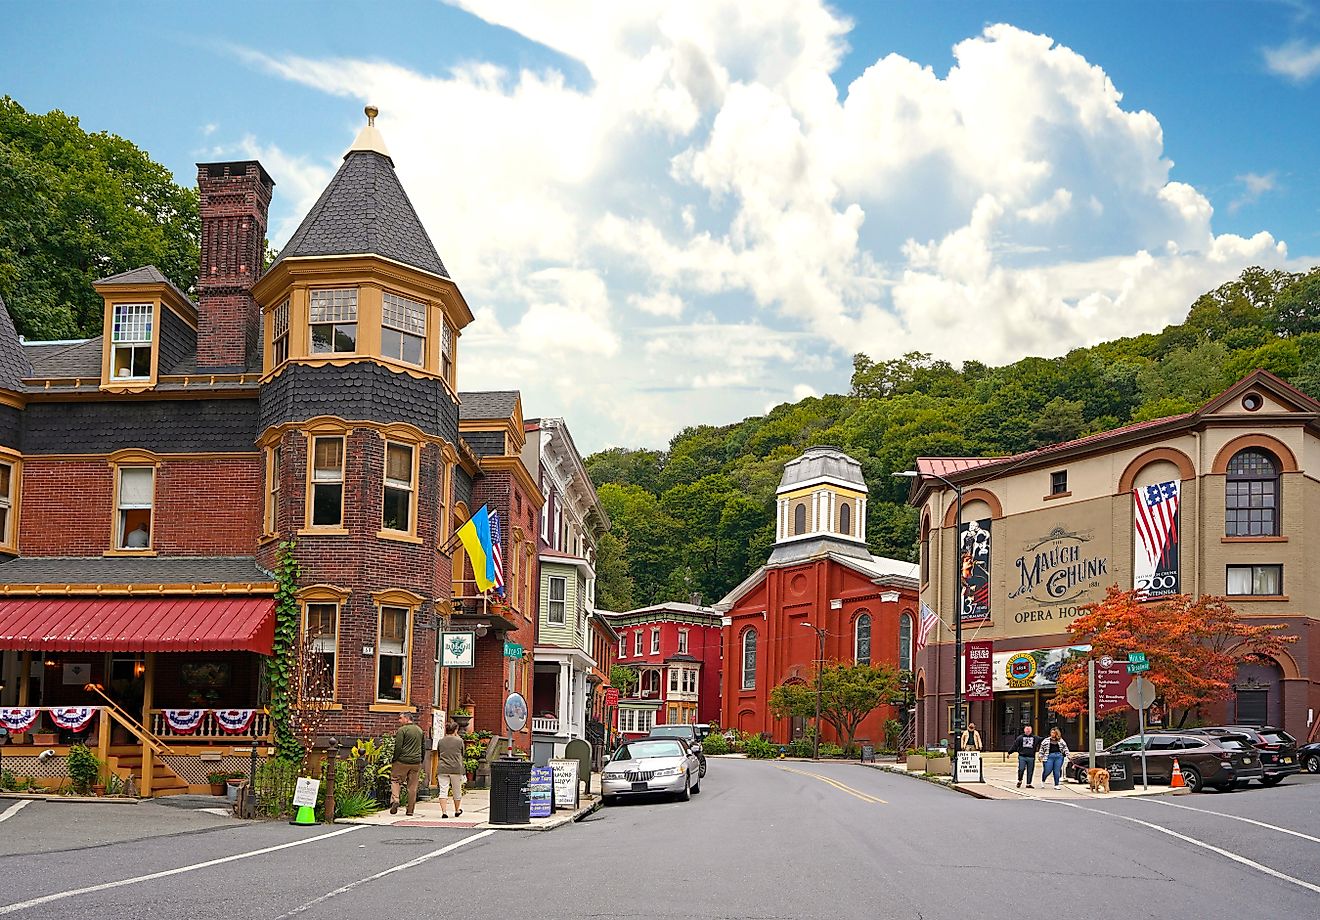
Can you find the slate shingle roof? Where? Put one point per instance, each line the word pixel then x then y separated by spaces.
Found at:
pixel 146 274
pixel 487 404
pixel 14 364
pixel 65 359
pixel 132 570
pixel 364 209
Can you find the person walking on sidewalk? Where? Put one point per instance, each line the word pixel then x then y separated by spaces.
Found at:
pixel 408 744
pixel 449 767
pixel 1053 750
pixel 971 738
pixel 1025 746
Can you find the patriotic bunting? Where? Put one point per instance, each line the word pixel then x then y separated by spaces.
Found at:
pixel 234 721
pixel 184 721
pixel 19 719
pixel 72 718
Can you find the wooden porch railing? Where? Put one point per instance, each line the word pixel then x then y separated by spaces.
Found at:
pixel 210 729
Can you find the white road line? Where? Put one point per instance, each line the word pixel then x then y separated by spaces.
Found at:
pixel 1250 863
pixel 371 878
pixel 106 886
pixel 14 809
pixel 1220 814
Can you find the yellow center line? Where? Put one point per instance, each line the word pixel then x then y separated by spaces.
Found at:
pixel 865 797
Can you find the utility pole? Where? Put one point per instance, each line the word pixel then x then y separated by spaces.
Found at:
pixel 820 667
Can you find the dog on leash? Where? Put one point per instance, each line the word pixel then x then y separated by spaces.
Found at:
pixel 1098 780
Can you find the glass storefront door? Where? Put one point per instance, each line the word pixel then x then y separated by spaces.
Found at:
pixel 1014 710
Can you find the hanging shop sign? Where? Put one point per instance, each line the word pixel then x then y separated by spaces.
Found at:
pixel 458 649
pixel 974 570
pixel 1032 669
pixel 978 681
pixel 1155 522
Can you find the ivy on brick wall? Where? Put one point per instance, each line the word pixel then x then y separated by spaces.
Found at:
pixel 281 666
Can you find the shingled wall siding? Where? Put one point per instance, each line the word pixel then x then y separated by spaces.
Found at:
pixel 160 425
pixel 11 427
pixel 361 390
pixel 366 564
pixel 204 507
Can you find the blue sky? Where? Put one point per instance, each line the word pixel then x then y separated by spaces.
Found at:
pixel 691 213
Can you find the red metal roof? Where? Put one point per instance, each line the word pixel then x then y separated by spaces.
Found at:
pixel 133 624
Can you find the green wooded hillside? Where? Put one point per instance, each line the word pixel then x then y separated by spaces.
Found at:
pixel 698 517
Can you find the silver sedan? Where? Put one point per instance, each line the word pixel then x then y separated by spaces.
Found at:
pixel 652 765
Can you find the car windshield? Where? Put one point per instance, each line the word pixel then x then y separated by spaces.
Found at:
pixel 672 731
pixel 637 750
pixel 1234 744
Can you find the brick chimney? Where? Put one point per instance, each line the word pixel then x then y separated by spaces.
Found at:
pixel 235 200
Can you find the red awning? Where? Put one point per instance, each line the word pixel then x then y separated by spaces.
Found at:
pixel 132 624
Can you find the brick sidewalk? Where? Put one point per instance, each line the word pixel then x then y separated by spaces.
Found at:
pixel 1001 783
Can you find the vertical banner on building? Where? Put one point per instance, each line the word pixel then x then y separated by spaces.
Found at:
pixel 979 671
pixel 974 570
pixel 1155 543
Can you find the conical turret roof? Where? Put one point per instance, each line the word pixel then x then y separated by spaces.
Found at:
pixel 364 210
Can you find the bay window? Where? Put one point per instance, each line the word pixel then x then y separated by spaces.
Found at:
pixel 392 655
pixel 321 626
pixel 327 484
pixel 333 318
pixel 399 488
pixel 403 329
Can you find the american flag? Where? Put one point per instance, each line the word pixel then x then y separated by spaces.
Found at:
pixel 496 554
pixel 928 620
pixel 1157 518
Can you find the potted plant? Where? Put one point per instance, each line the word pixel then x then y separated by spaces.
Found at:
pixel 939 763
pixel 45 739
pixel 218 782
pixel 916 761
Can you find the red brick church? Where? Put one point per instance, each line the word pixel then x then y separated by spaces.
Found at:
pixel 820 576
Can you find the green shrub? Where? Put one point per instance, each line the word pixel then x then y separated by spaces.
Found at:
pixel 801 747
pixel 84 768
pixel 355 803
pixel 830 750
pixel 756 747
pixel 715 744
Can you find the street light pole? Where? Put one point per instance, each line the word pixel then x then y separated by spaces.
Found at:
pixel 820 665
pixel 957 612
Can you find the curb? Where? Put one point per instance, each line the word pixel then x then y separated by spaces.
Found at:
pixel 74 799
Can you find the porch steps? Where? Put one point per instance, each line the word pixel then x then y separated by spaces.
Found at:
pixel 164 781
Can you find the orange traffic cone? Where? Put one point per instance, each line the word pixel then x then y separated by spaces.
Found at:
pixel 1176 782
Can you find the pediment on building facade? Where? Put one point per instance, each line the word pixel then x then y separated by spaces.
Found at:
pixel 1260 394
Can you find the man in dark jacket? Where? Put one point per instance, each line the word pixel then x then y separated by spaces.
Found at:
pixel 1025 746
pixel 408 744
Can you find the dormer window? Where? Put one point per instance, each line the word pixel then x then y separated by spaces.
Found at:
pixel 403 329
pixel 333 318
pixel 280 339
pixel 130 339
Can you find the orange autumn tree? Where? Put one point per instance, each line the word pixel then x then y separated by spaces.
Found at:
pixel 1193 646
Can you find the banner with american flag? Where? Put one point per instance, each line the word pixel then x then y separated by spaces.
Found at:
pixel 1155 547
pixel 929 620
pixel 496 553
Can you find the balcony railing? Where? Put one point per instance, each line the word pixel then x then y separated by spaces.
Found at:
pixel 210 729
pixel 545 726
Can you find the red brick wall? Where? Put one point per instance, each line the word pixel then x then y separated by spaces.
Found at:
pixel 203 506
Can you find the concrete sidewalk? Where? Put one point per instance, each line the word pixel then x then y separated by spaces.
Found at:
pixel 476 813
pixel 1001 783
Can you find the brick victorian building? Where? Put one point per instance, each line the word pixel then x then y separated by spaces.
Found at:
pixel 150 473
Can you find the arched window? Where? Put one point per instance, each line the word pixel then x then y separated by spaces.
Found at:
pixel 799 518
pixel 925 551
pixel 862 639
pixel 845 519
pixel 1251 495
pixel 905 642
pixel 749 659
pixel 650 683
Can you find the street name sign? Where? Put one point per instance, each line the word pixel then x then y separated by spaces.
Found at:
pixel 1136 667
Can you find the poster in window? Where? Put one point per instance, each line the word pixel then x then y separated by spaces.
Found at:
pixel 974 570
pixel 1155 539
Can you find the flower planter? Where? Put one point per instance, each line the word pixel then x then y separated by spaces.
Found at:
pixel 98 789
pixel 231 790
pixel 940 766
pixel 916 763
pixel 45 739
pixel 219 788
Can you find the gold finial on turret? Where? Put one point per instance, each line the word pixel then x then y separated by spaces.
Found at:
pixel 372 112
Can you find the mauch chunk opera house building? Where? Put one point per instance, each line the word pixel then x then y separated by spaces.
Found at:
pixel 1220 501
pixel 148 476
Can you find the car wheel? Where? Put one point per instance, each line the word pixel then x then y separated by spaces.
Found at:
pixel 686 794
pixel 696 789
pixel 1222 787
pixel 609 801
pixel 1192 778
pixel 701 771
pixel 1312 763
pixel 1079 776
pixel 1271 780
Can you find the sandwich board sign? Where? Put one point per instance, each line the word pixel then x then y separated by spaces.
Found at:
pixel 566 783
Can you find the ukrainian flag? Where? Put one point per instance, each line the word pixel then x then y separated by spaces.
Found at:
pixel 475 535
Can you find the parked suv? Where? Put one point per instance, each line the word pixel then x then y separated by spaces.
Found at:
pixel 689 734
pixel 1309 755
pixel 1278 749
pixel 1218 761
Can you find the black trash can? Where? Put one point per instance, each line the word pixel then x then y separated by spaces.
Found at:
pixel 510 792
pixel 1122 770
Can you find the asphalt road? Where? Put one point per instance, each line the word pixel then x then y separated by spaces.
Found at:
pixel 762 840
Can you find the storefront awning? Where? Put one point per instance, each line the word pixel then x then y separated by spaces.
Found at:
pixel 161 624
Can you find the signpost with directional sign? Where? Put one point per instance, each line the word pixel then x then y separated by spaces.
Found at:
pixel 1140 695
